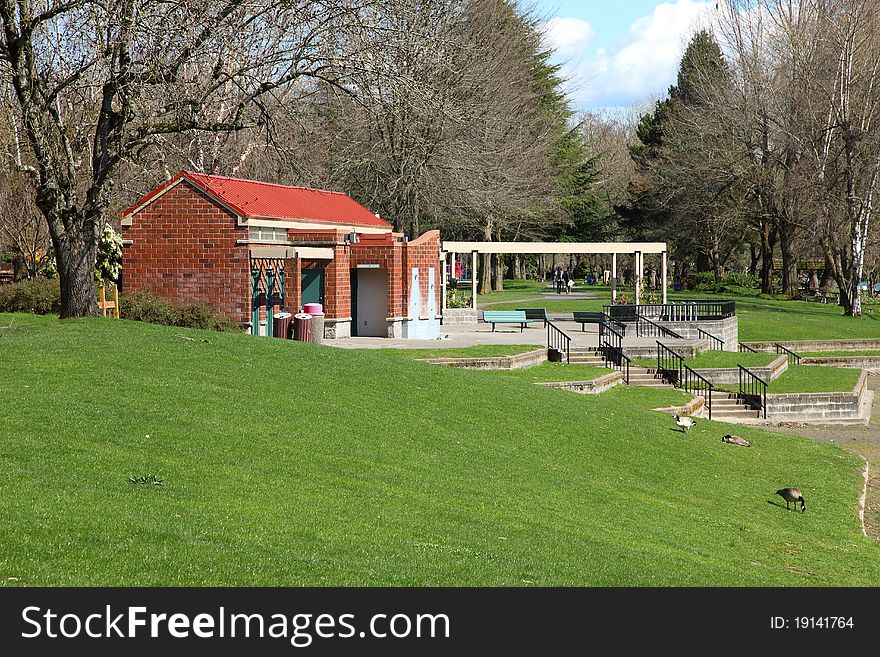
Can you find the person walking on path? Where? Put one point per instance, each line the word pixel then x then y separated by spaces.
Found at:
pixel 557 280
pixel 565 279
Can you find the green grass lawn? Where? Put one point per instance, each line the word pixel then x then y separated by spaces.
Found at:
pixel 810 378
pixel 289 464
pixel 718 359
pixel 815 378
pixel 476 351
pixel 759 319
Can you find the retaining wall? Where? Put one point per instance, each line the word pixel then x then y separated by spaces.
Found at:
pixel 593 387
pixel 799 346
pixel 459 316
pixel 731 374
pixel 517 362
pixel 813 406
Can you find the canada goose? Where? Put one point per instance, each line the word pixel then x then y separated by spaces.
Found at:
pixel 792 495
pixel 684 422
pixel 736 440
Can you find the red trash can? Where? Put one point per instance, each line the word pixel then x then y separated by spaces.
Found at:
pixel 302 327
pixel 281 325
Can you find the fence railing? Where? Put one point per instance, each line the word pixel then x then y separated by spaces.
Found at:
pixel 753 390
pixel 620 327
pixel 793 358
pixel 645 328
pixel 684 311
pixel 715 344
pixel 559 340
pixel 671 366
pixel 744 347
pixel 611 346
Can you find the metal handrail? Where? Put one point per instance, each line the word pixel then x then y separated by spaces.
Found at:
pixel 611 346
pixel 791 355
pixel 712 340
pixel 744 347
pixel 682 376
pixel 620 327
pixel 752 387
pixel 658 332
pixel 559 340
pixel 696 310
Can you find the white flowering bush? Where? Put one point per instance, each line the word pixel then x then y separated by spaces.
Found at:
pixel 109 261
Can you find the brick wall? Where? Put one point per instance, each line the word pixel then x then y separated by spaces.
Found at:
pixel 183 248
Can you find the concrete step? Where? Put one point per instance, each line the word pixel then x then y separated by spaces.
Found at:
pixel 722 413
pixel 586 361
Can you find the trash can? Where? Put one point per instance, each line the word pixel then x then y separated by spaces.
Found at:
pixel 281 325
pixel 318 328
pixel 302 327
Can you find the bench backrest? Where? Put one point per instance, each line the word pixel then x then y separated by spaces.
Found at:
pixel 588 316
pixel 504 316
pixel 535 313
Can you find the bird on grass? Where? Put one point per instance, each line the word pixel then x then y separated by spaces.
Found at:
pixel 684 422
pixel 736 440
pixel 792 495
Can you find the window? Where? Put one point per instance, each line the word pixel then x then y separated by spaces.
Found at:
pixel 268 234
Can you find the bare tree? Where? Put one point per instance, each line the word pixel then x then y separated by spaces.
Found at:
pixel 95 84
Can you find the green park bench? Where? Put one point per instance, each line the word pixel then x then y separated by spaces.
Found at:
pixel 494 317
pixel 536 314
pixel 588 318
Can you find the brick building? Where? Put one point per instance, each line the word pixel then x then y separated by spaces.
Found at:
pixel 242 246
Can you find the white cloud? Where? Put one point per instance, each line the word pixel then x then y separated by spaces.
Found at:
pixel 569 37
pixel 643 64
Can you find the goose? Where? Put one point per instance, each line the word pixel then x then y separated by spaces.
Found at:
pixel 792 495
pixel 736 440
pixel 684 422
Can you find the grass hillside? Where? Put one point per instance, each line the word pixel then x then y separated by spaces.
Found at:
pixel 295 464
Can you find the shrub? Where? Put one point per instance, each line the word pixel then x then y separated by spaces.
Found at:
pixel 740 279
pixel 40 296
pixel 702 281
pixel 144 307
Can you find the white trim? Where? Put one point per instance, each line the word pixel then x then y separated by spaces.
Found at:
pixel 555 247
pixel 307 252
pixel 305 225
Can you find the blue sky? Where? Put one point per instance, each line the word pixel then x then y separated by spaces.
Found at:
pixel 622 53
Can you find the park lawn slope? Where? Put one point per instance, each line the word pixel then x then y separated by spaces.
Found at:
pixel 295 464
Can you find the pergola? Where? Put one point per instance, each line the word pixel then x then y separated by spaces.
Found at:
pixel 636 249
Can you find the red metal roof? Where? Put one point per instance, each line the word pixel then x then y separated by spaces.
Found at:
pixel 259 200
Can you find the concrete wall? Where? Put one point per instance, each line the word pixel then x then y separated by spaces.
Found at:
pixel 815 406
pixel 516 362
pixel 593 387
pixel 799 346
pixel 731 374
pixel 724 329
pixel 459 316
pixel 870 363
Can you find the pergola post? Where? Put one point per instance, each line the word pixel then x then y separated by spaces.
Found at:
pixel 613 278
pixel 663 275
pixel 637 275
pixel 474 279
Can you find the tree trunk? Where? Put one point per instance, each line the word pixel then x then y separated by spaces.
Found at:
pixel 76 270
pixel 768 242
pixel 789 262
pixel 755 256
pixel 498 272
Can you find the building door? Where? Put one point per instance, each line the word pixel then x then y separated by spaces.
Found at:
pixel 313 286
pixel 370 302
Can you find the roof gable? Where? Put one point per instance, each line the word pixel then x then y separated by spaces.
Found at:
pixel 252 199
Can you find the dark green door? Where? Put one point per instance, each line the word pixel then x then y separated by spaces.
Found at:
pixel 313 286
pixel 354 301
